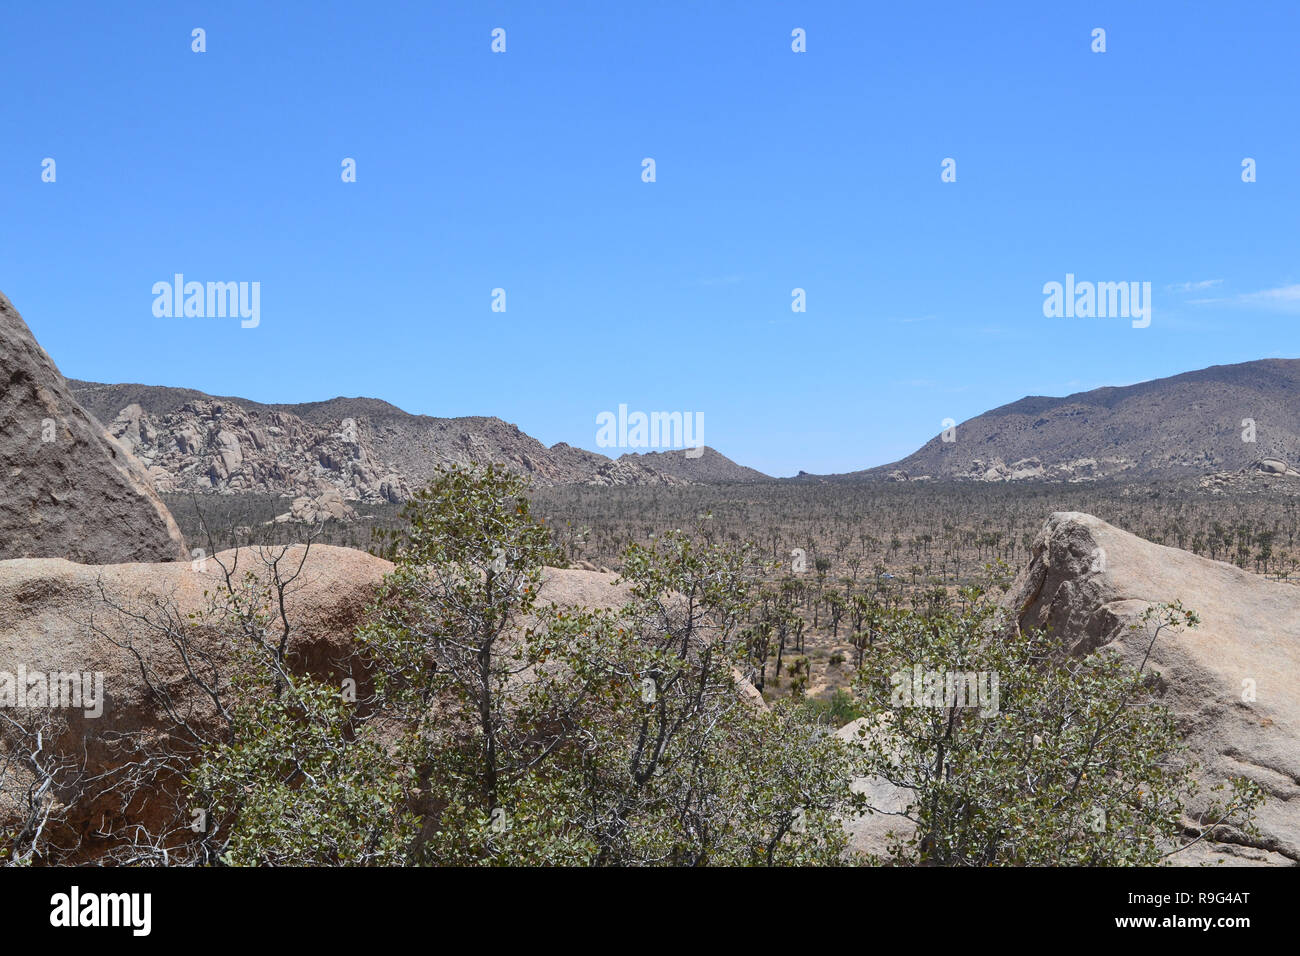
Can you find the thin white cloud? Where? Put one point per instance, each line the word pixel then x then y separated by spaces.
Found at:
pixel 1285 298
pixel 1194 286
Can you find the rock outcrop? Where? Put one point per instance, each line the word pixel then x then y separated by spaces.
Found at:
pixel 874 834
pixel 66 489
pixel 219 446
pixel 123 621
pixel 369 450
pixel 327 506
pixel 1271 475
pixel 1275 466
pixel 1233 682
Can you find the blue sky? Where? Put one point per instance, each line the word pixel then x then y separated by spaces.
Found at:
pixel 775 170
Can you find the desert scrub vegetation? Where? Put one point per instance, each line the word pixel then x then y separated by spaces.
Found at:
pixel 929 533
pixel 922 534
pixel 520 732
pixel 485 725
pixel 1013 752
pixel 524 733
pixel 844 554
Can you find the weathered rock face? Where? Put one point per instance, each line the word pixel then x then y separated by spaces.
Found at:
pixel 219 446
pixel 369 450
pixel 1033 469
pixel 1233 682
pixel 66 489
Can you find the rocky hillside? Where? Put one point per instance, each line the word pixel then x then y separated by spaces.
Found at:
pixel 366 449
pixel 709 468
pixel 1186 424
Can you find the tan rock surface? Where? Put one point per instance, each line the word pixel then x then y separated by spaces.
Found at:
pixel 873 833
pixel 1088 581
pixel 54 618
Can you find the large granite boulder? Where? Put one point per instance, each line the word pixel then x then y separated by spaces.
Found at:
pixel 66 489
pixel 1233 682
pixel 135 632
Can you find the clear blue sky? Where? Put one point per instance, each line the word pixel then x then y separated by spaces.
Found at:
pixel 775 170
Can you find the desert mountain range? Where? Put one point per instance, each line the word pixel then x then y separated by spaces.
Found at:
pixel 1196 423
pixel 1188 424
pixel 366 449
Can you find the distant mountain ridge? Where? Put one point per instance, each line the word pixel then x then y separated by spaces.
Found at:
pixel 366 448
pixel 1191 423
pixel 1186 424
